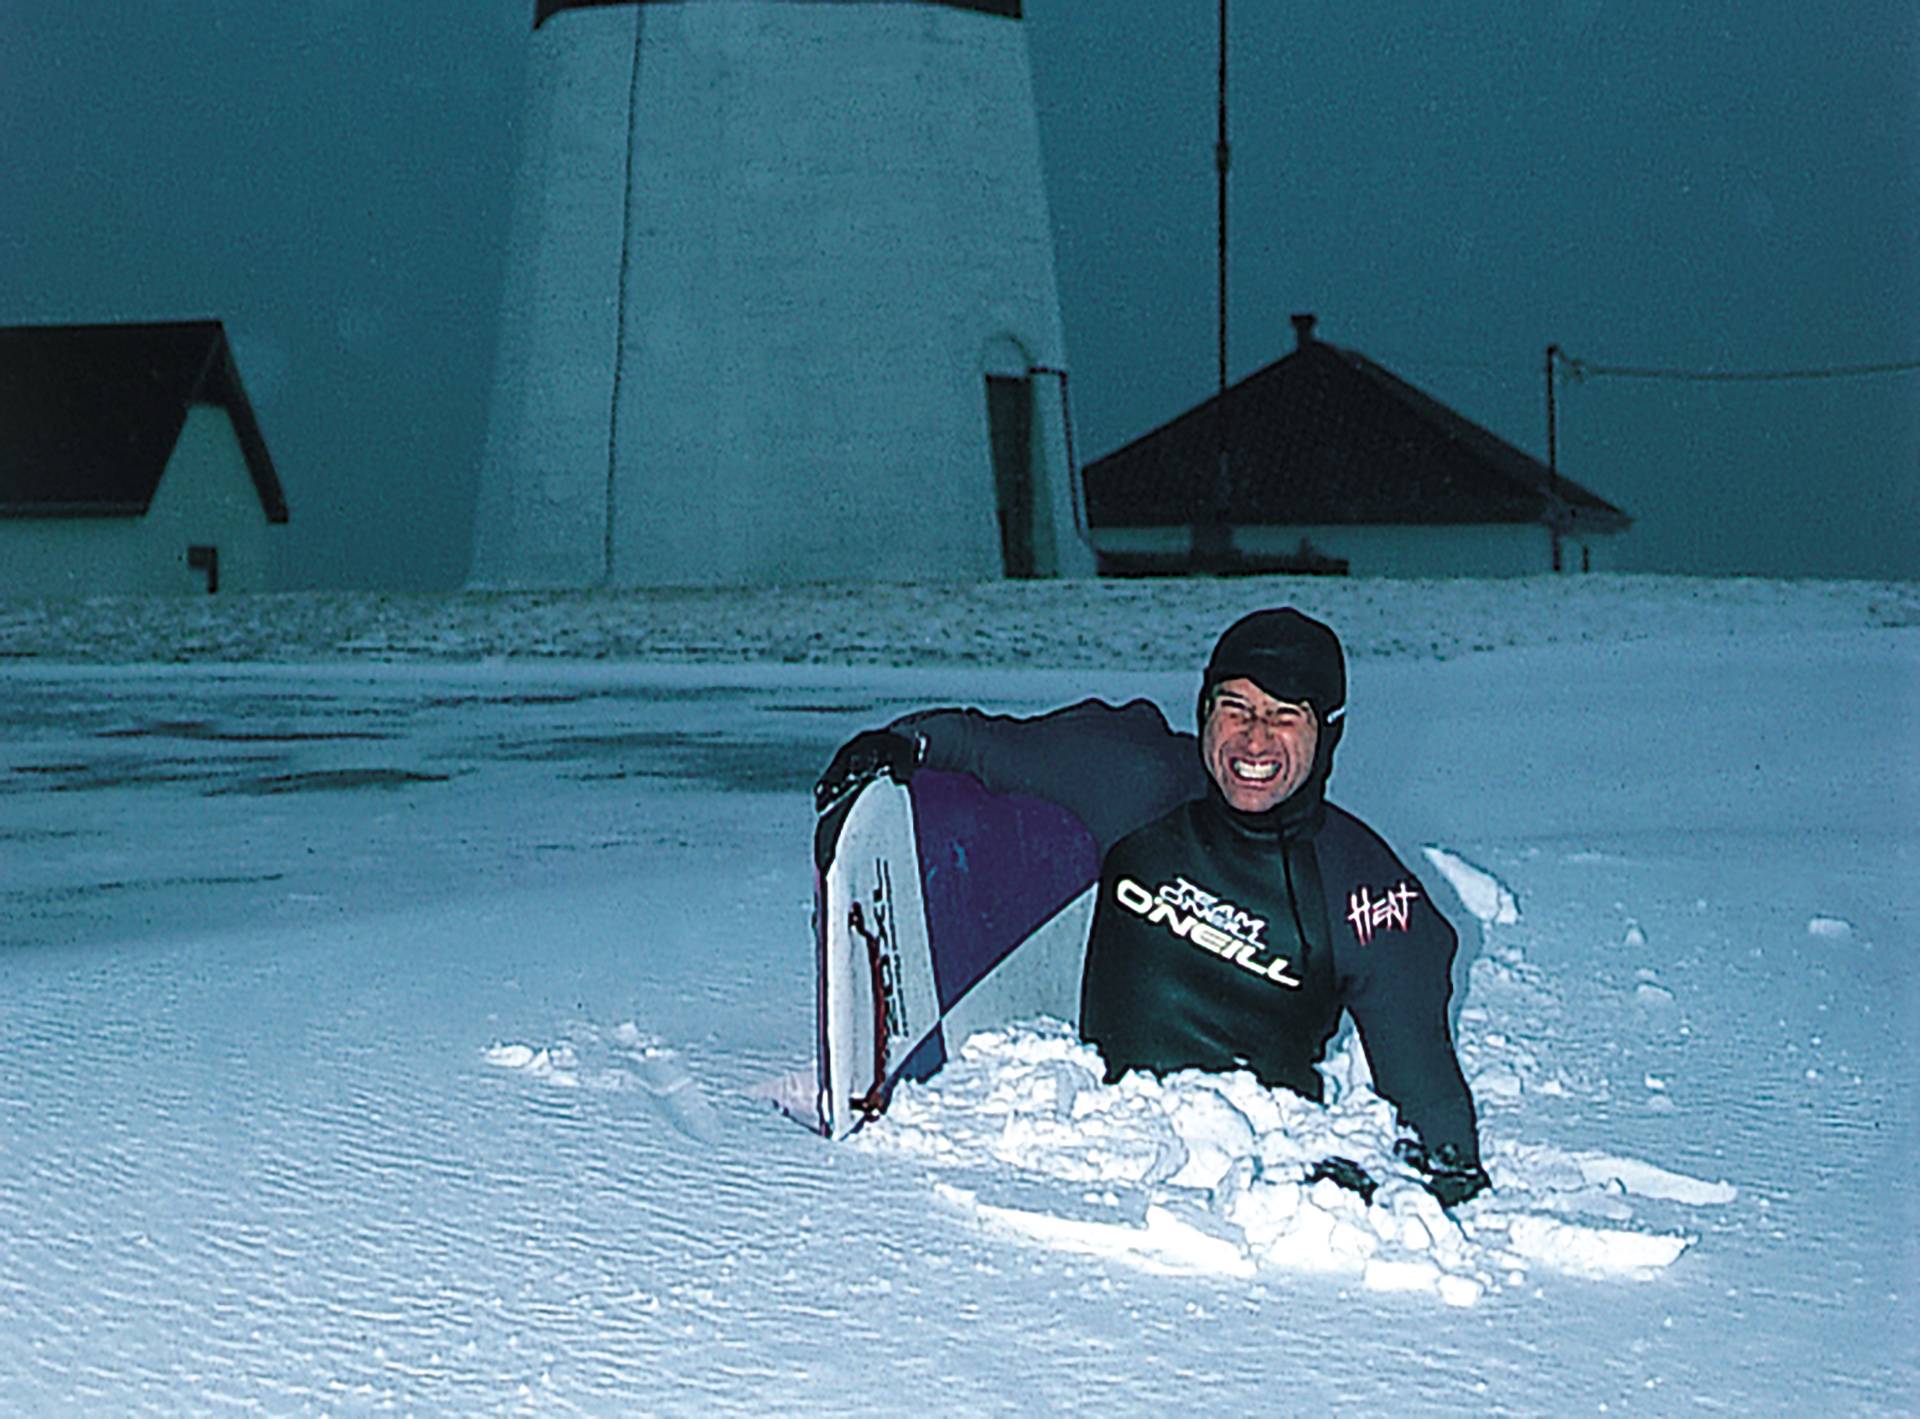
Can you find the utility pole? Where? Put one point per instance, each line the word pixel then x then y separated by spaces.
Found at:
pixel 1212 540
pixel 1553 458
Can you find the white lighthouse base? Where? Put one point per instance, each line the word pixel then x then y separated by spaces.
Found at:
pixel 780 305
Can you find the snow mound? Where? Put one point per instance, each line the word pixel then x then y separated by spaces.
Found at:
pixel 1215 1174
pixel 624 1058
pixel 1832 928
pixel 1483 894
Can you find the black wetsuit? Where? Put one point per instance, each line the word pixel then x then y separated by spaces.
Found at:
pixel 1216 945
pixel 1222 940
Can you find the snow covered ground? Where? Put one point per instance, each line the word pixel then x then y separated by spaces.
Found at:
pixel 386 986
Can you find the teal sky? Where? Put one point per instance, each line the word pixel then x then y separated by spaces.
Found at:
pixel 1705 186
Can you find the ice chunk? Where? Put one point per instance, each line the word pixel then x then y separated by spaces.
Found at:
pixel 1461 1290
pixel 1215 1134
pixel 1593 1251
pixel 1383 1275
pixel 1498 1081
pixel 555 1065
pixel 1483 894
pixel 1165 1243
pixel 1648 1180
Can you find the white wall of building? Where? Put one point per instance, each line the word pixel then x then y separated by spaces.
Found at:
pixel 835 228
pixel 1448 550
pixel 205 498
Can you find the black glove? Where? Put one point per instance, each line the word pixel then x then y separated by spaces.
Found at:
pixel 864 758
pixel 1446 1172
pixel 1347 1173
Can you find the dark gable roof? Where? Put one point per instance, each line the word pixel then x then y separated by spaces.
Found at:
pixel 90 414
pixel 1326 436
pixel 543 10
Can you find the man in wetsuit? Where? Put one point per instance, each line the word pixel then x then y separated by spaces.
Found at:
pixel 1239 913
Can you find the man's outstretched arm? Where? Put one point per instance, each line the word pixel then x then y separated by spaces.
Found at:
pixel 1115 768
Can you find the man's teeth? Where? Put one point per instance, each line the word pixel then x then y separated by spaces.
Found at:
pixel 1244 768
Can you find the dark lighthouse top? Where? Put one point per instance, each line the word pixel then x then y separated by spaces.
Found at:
pixel 543 10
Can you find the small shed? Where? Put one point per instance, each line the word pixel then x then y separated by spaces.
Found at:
pixel 1337 465
pixel 130 462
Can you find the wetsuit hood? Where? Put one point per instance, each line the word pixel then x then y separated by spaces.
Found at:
pixel 1294 658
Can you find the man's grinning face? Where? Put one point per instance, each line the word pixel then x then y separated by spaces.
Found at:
pixel 1259 750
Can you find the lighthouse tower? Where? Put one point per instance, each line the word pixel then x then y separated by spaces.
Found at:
pixel 780 303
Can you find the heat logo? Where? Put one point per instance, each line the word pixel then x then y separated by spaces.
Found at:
pixel 1393 912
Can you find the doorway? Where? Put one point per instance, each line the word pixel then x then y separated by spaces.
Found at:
pixel 1010 435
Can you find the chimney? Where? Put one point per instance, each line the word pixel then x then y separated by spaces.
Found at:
pixel 1303 330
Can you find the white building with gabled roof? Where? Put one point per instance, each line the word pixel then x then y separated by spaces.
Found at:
pixel 130 462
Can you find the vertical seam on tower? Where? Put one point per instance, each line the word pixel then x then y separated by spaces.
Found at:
pixel 620 315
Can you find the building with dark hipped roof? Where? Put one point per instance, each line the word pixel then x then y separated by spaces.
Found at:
pixel 130 462
pixel 1336 465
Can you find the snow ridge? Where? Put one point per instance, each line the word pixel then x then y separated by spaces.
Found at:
pixel 1049 623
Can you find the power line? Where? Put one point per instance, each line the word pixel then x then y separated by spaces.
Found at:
pixel 1580 369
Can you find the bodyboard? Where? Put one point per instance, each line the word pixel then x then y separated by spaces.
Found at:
pixel 940 909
